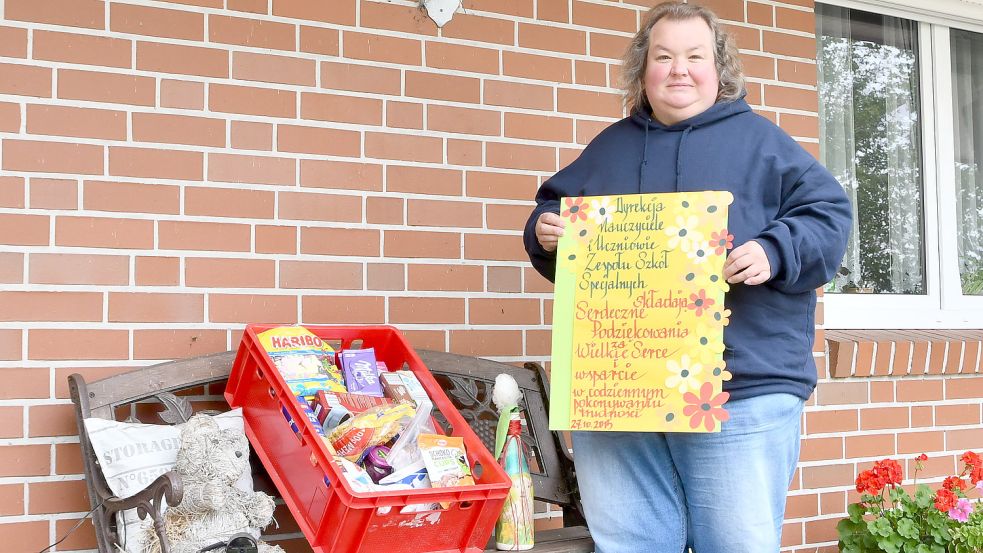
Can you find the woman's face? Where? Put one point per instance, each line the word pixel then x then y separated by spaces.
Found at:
pixel 680 73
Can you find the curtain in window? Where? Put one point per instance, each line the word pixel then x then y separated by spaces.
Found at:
pixel 870 140
pixel 836 128
pixel 967 107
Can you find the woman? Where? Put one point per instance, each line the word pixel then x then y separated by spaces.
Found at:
pixel 690 129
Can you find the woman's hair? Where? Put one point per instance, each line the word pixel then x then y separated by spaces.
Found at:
pixel 730 75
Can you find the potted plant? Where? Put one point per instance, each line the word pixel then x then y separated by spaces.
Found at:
pixel 887 519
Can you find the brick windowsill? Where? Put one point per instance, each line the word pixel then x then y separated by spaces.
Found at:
pixel 903 352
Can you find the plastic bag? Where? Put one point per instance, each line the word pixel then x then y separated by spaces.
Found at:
pixel 405 451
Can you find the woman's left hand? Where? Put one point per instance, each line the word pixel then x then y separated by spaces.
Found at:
pixel 747 263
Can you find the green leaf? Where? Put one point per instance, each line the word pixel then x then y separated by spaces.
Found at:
pixel 880 527
pixel 890 543
pixel 856 512
pixel 924 497
pixel 907 528
pixel 846 528
pixel 897 494
pixel 934 521
pixel 941 535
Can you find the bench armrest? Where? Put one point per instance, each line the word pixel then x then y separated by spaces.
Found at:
pixel 149 501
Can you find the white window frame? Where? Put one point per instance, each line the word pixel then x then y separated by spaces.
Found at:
pixel 943 306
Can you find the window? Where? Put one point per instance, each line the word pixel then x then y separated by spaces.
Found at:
pixel 967 105
pixel 901 127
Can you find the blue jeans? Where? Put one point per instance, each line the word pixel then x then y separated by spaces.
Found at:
pixel 652 492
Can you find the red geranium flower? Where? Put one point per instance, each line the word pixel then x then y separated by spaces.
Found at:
pixel 919 462
pixel 954 483
pixel 889 470
pixel 974 466
pixel 976 475
pixel 945 500
pixel 576 209
pixel 699 302
pixel 721 241
pixel 971 459
pixel 705 410
pixel 868 482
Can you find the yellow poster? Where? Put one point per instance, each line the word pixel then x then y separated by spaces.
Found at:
pixel 638 313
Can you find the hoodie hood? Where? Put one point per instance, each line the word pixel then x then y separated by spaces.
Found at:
pixel 715 113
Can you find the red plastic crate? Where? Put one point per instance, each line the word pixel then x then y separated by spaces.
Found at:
pixel 333 517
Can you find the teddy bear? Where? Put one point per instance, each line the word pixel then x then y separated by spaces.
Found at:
pixel 210 461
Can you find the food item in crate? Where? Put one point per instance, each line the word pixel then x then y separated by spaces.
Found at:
pixel 356 476
pixel 446 460
pixel 361 371
pixel 303 359
pixel 413 386
pixel 413 475
pixel 394 388
pixel 360 481
pixel 375 462
pixel 375 426
pixel 334 417
pixel 355 403
pixel 306 409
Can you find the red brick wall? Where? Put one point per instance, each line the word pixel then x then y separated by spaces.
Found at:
pixel 172 170
pixel 886 394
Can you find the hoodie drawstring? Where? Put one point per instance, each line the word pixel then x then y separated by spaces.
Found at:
pixel 679 157
pixel 645 153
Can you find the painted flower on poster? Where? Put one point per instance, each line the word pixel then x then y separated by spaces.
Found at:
pixel 705 409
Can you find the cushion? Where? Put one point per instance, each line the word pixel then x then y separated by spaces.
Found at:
pixel 133 455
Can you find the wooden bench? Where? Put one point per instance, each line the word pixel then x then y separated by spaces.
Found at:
pixel 467 381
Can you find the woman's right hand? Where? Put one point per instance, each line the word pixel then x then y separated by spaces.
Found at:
pixel 549 229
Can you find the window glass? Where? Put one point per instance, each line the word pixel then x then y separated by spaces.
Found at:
pixel 870 121
pixel 966 53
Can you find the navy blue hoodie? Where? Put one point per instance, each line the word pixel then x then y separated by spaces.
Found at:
pixel 783 199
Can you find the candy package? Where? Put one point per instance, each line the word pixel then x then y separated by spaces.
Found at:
pixel 361 371
pixel 413 386
pixel 334 408
pixel 303 359
pixel 375 426
pixel 446 460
